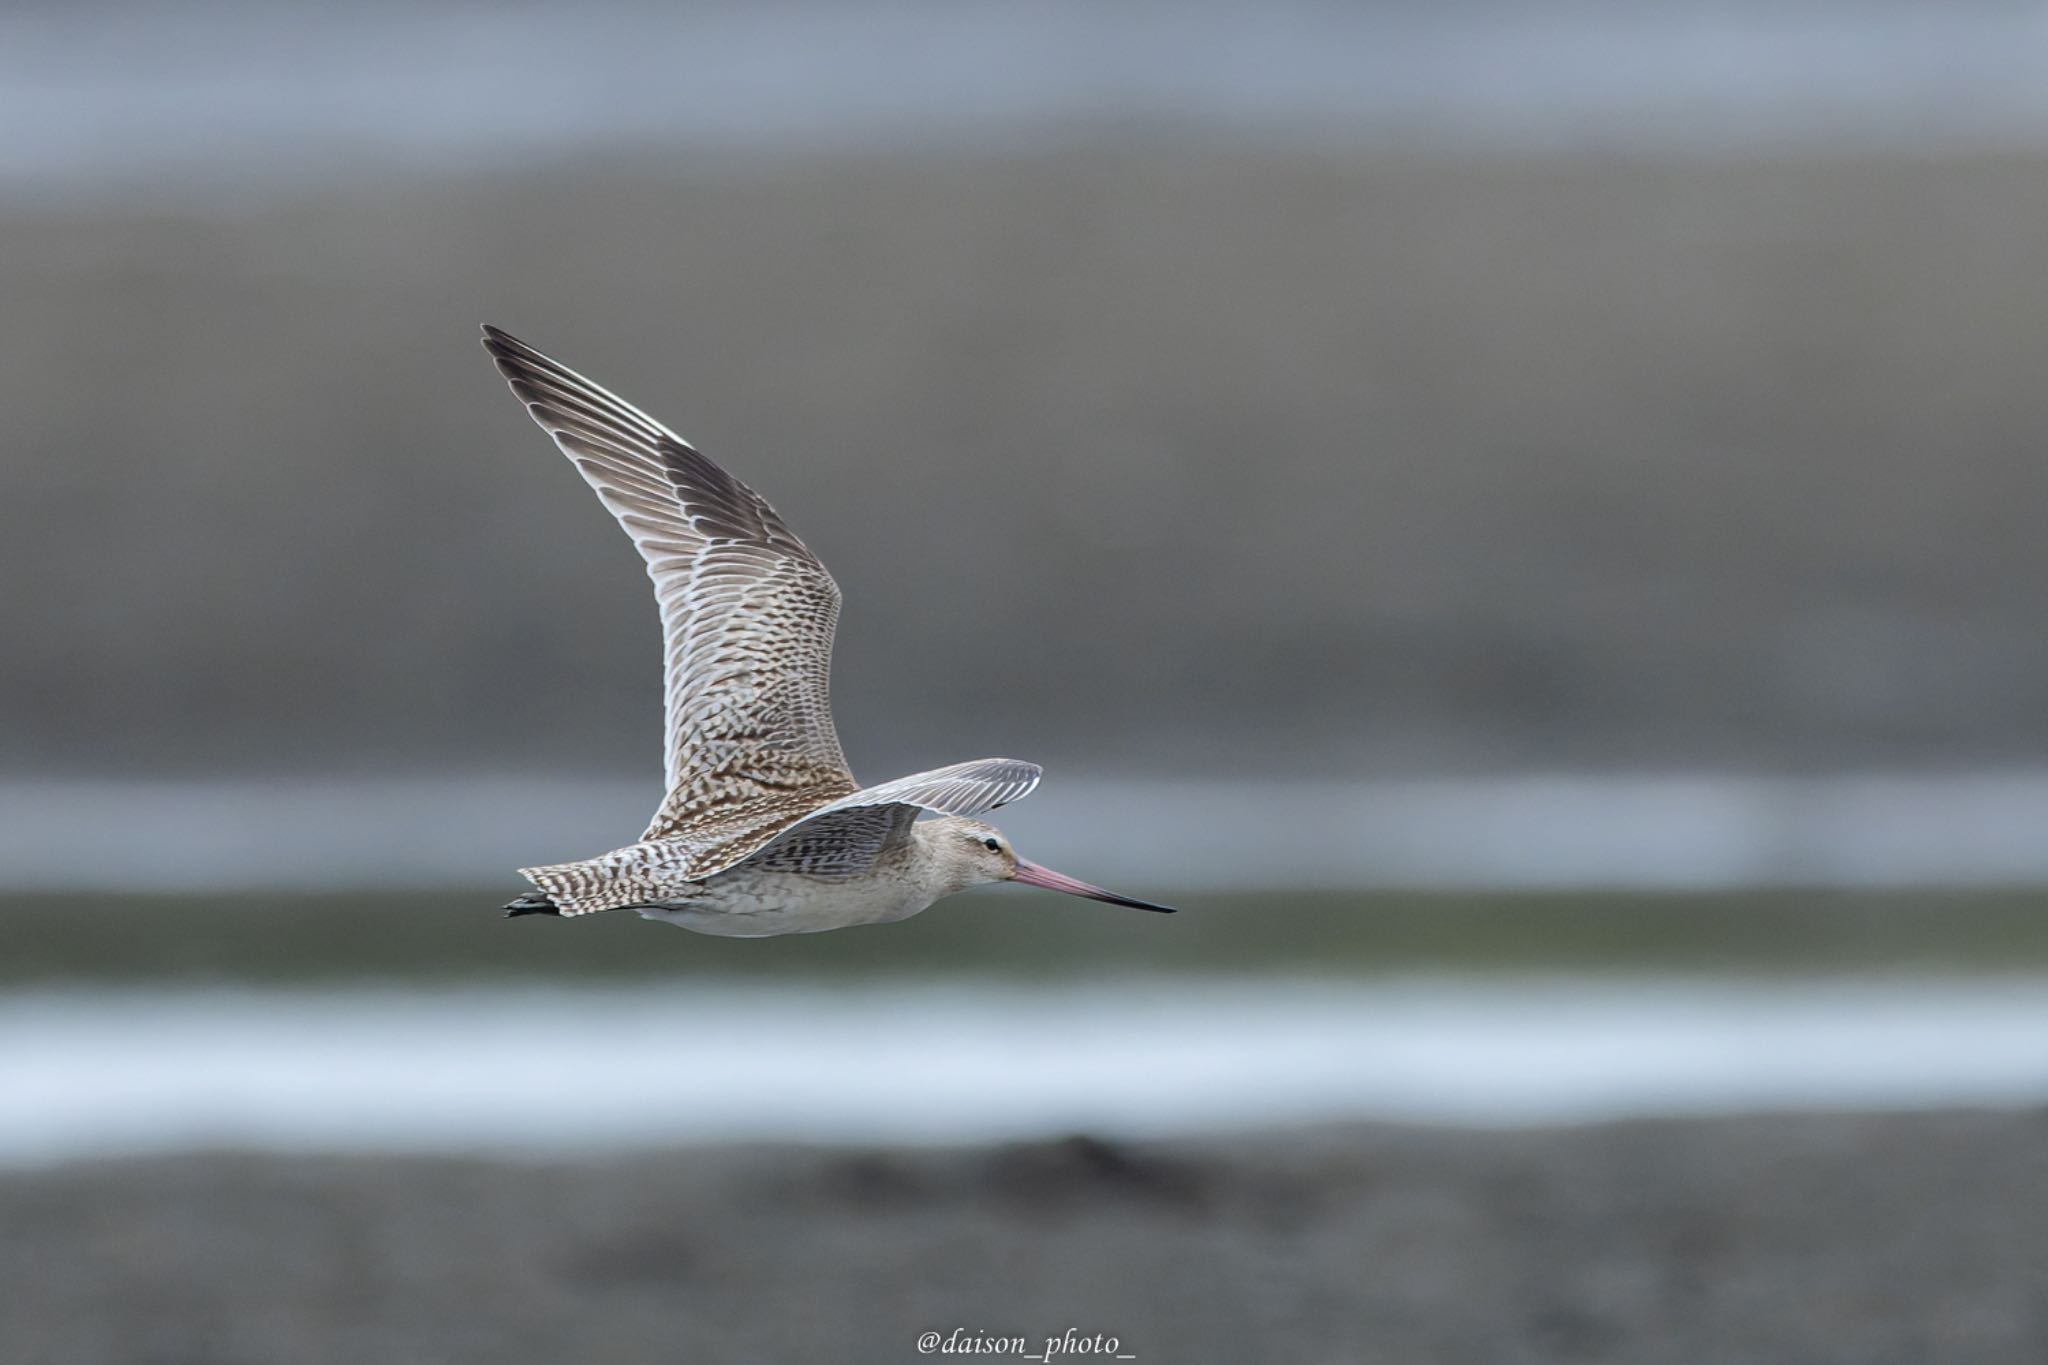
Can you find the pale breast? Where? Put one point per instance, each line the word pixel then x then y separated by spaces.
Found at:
pixel 745 903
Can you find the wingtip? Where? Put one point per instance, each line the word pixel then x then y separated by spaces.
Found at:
pixel 513 358
pixel 506 347
pixel 532 903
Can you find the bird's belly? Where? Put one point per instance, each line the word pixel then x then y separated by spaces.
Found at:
pixel 763 905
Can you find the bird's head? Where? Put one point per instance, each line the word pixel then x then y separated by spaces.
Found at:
pixel 977 853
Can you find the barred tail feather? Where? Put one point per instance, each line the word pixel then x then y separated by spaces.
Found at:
pixel 609 882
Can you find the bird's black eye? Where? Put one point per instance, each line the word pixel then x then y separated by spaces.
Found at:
pixel 992 845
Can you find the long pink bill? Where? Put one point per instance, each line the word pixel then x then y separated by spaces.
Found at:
pixel 1031 874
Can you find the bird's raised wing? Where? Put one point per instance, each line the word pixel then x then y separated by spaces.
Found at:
pixel 847 836
pixel 747 612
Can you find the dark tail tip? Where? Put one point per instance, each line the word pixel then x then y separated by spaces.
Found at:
pixel 532 903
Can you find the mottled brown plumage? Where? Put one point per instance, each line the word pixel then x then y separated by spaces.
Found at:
pixel 764 829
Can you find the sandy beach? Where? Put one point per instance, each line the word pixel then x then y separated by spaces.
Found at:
pixel 1865 1239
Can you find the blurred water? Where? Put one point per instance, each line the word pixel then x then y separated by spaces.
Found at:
pixel 215 94
pixel 94 1073
pixel 1512 832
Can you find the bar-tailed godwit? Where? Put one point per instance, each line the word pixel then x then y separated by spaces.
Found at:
pixel 764 830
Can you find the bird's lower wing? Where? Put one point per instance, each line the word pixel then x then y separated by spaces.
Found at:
pixel 847 836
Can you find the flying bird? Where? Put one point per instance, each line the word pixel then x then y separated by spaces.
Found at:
pixel 764 830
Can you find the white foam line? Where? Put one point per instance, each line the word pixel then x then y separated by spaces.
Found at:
pixel 98 1073
pixel 1536 830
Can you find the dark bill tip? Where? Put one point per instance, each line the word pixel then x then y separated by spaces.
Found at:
pixel 1031 874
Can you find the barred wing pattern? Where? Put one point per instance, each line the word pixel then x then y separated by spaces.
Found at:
pixel 747 617
pixel 848 836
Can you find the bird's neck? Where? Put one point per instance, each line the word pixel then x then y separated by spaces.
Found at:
pixel 939 864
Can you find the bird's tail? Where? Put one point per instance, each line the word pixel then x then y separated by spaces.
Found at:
pixel 610 881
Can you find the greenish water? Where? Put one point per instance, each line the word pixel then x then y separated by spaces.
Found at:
pixel 439 935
